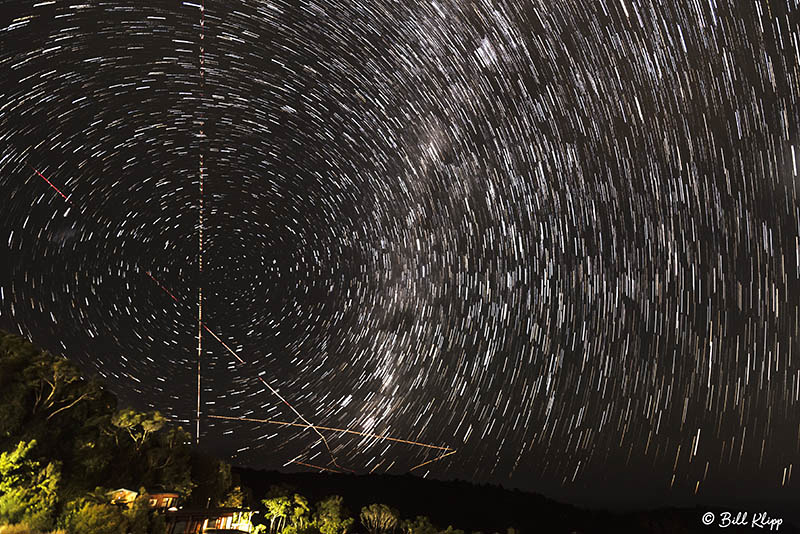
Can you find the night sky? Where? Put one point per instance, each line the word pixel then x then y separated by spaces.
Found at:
pixel 560 238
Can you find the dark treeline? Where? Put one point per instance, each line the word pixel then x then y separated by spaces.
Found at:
pixel 487 508
pixel 64 443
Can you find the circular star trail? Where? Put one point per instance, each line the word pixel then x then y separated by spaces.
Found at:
pixel 562 239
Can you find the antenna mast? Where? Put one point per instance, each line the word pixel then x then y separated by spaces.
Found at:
pixel 201 223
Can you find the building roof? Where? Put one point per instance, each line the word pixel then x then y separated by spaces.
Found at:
pixel 125 490
pixel 206 512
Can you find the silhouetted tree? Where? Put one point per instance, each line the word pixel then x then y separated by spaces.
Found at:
pixel 420 525
pixel 379 518
pixel 212 478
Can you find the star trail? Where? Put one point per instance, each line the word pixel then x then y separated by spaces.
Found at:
pixel 554 245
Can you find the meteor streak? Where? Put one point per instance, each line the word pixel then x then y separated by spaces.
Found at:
pixel 51 185
pixel 153 278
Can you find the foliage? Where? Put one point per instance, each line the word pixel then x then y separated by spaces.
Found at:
pixel 212 478
pixel 420 525
pixel 81 442
pixel 44 398
pixel 138 425
pixel 235 497
pixel 140 519
pixel 23 528
pixel 87 517
pixel 93 513
pixel 332 516
pixel 310 528
pixel 289 513
pixel 300 512
pixel 379 518
pixel 168 462
pixel 278 507
pixel 28 492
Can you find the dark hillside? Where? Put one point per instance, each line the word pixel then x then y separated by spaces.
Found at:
pixel 484 508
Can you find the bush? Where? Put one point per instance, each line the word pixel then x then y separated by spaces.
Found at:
pixel 24 529
pixel 93 518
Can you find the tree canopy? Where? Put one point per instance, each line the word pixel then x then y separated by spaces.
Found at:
pixel 61 436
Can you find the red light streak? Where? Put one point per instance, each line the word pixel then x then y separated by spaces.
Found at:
pixel 51 185
pixel 153 278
